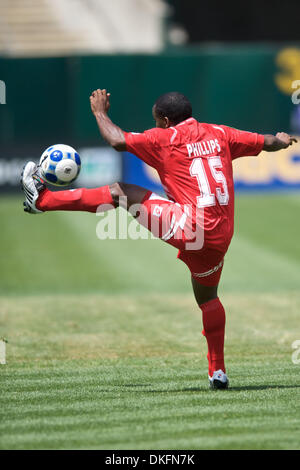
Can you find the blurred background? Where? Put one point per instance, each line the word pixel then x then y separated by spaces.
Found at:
pixel 238 64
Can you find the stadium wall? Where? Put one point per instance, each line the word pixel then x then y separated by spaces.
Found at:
pixel 249 87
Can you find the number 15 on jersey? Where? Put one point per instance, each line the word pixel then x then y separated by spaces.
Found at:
pixel 207 196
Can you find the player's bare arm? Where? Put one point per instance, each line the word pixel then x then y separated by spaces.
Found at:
pixel 278 142
pixel 111 133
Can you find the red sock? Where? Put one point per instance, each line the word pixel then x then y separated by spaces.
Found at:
pixel 76 200
pixel 213 316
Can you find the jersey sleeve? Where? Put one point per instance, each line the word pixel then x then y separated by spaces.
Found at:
pixel 145 146
pixel 243 143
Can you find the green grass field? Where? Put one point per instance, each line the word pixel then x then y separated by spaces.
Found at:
pixel 105 348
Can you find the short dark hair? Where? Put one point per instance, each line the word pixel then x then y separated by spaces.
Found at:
pixel 174 106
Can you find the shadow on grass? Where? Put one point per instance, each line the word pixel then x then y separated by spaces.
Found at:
pixel 262 387
pixel 205 389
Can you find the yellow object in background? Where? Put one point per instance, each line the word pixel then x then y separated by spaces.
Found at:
pixel 288 60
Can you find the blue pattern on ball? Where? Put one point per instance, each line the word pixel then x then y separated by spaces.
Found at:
pixel 52 167
pixel 56 156
pixel 51 178
pixel 77 159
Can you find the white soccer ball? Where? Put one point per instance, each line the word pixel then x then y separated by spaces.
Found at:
pixel 60 165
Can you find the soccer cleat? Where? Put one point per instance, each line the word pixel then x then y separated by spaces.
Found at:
pixel 219 380
pixel 32 185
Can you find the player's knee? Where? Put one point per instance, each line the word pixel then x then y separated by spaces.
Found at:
pixel 130 194
pixel 204 294
pixel 116 191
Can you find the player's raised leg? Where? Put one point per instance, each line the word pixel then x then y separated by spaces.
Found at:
pixel 213 317
pixel 39 199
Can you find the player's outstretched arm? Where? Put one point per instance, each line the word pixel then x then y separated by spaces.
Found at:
pixel 278 142
pixel 113 135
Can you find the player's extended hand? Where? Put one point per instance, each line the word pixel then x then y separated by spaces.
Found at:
pixel 286 138
pixel 99 101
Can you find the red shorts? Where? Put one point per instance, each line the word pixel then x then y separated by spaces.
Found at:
pixel 177 226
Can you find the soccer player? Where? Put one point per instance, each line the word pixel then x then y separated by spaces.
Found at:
pixel 194 163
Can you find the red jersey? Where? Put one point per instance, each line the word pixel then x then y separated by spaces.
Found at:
pixel 194 163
